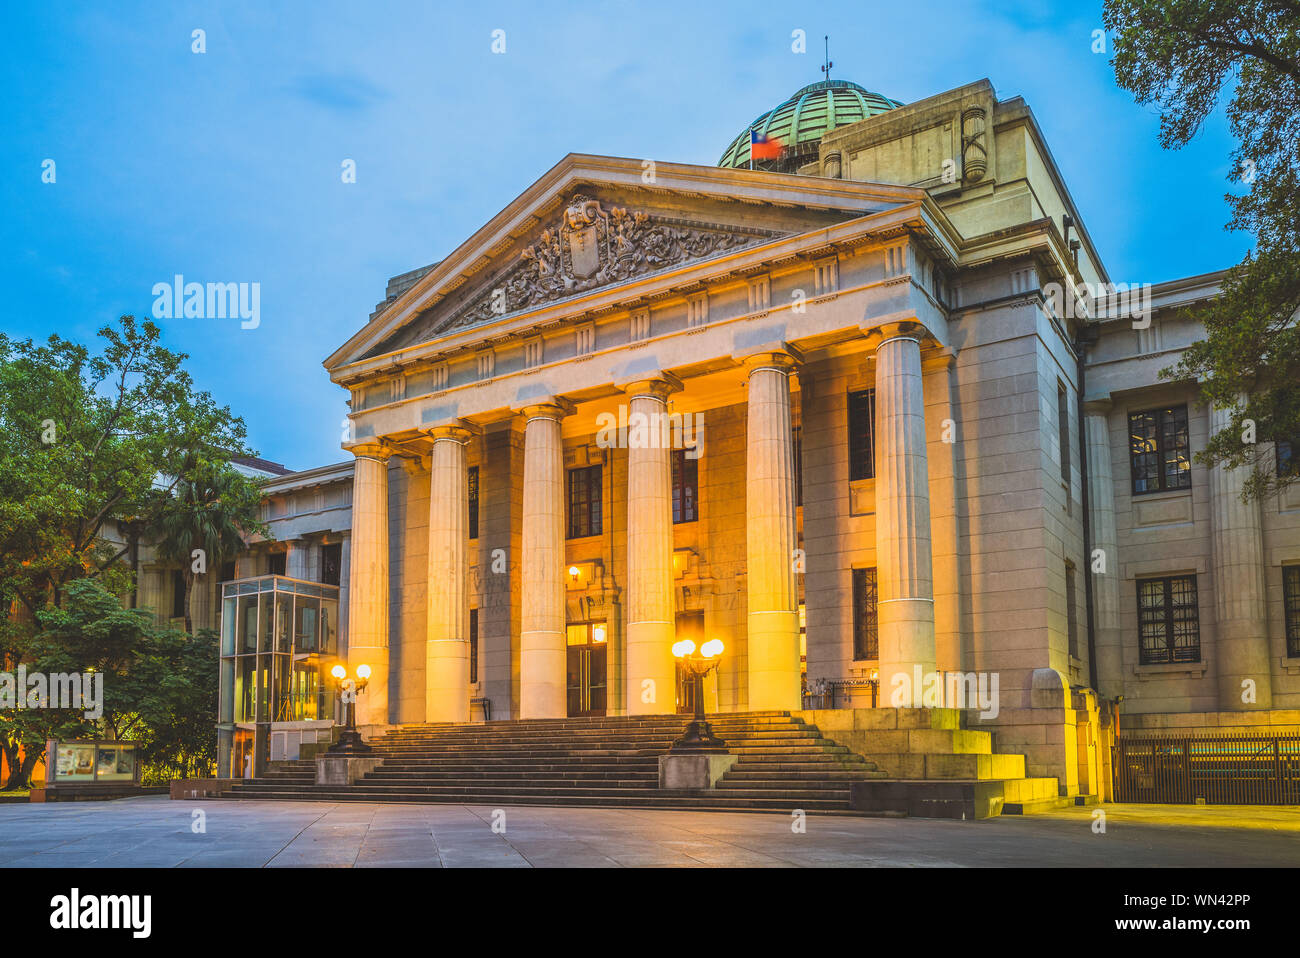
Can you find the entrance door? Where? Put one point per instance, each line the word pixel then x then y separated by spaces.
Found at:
pixel 586 670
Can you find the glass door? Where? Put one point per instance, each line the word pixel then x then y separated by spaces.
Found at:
pixel 586 668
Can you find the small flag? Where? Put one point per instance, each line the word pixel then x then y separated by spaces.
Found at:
pixel 763 147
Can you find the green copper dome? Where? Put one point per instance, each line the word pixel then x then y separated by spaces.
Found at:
pixel 801 121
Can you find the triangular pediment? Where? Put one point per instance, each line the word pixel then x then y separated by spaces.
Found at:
pixel 594 223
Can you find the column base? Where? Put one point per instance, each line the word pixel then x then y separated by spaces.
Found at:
pixel 774 661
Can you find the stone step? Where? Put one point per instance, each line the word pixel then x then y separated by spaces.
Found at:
pixel 975 766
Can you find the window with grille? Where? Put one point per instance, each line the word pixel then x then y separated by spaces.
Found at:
pixel 866 635
pixel 686 484
pixel 1169 626
pixel 472 485
pixel 584 502
pixel 862 434
pixel 1291 601
pixel 473 646
pixel 1160 450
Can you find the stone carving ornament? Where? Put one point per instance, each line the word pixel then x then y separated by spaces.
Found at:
pixel 592 246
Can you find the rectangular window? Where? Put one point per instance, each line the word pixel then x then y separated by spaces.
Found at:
pixel 1287 463
pixel 275 563
pixel 686 482
pixel 473 646
pixel 331 563
pixel 1169 626
pixel 862 434
pixel 1063 430
pixel 472 485
pixel 1071 615
pixel 1291 602
pixel 1160 450
pixel 584 502
pixel 866 635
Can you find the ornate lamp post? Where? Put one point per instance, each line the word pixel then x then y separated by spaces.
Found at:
pixel 350 742
pixel 699 736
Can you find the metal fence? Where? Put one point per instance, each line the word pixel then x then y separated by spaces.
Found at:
pixel 841 693
pixel 1241 769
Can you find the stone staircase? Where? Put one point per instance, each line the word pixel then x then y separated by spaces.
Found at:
pixel 935 767
pixel 783 763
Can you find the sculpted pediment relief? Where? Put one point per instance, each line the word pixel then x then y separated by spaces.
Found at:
pixel 588 245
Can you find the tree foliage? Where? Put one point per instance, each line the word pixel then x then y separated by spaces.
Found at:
pixel 1183 56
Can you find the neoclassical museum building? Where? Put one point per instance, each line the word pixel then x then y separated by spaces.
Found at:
pixel 830 407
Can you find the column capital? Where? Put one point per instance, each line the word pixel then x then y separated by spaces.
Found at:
pixel 378 449
pixel 546 407
pixel 880 334
pixel 659 384
pixel 455 430
pixel 780 356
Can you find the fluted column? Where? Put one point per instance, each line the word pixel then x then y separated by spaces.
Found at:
pixel 903 558
pixel 651 614
pixel 368 580
pixel 1103 551
pixel 446 662
pixel 1241 617
pixel 541 642
pixel 770 535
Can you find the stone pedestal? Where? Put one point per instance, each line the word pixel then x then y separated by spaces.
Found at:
pixel 770 536
pixel 903 558
pixel 447 637
pixel 542 683
pixel 693 771
pixel 344 769
pixel 651 673
pixel 368 580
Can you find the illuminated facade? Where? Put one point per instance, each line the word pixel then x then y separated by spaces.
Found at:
pixel 828 412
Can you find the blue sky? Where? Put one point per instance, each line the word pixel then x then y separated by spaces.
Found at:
pixel 225 166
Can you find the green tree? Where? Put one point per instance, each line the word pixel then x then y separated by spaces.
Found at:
pixel 211 508
pixel 1182 56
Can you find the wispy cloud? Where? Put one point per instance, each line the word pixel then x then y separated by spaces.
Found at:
pixel 341 92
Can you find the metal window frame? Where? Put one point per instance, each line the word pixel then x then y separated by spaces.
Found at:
pixel 1168 619
pixel 862 440
pixel 591 479
pixel 866 615
pixel 1161 450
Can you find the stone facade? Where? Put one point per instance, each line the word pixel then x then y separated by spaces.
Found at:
pixel 915 259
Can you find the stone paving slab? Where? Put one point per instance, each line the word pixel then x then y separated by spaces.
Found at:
pixel 154 832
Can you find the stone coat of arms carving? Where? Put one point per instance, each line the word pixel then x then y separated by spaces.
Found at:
pixel 593 246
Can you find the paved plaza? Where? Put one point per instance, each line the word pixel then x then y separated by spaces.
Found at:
pixel 157 833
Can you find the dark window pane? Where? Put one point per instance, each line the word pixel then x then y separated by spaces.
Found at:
pixel 862 434
pixel 1169 627
pixel 1071 616
pixel 865 631
pixel 686 473
pixel 275 563
pixel 178 594
pixel 797 444
pixel 1160 450
pixel 584 502
pixel 1286 460
pixel 1063 431
pixel 1291 601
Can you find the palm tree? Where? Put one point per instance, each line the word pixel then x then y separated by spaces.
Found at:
pixel 212 508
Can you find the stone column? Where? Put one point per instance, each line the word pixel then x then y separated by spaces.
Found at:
pixel 770 535
pixel 904 563
pixel 295 563
pixel 1102 553
pixel 649 666
pixel 542 620
pixel 446 675
pixel 1241 616
pixel 368 580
